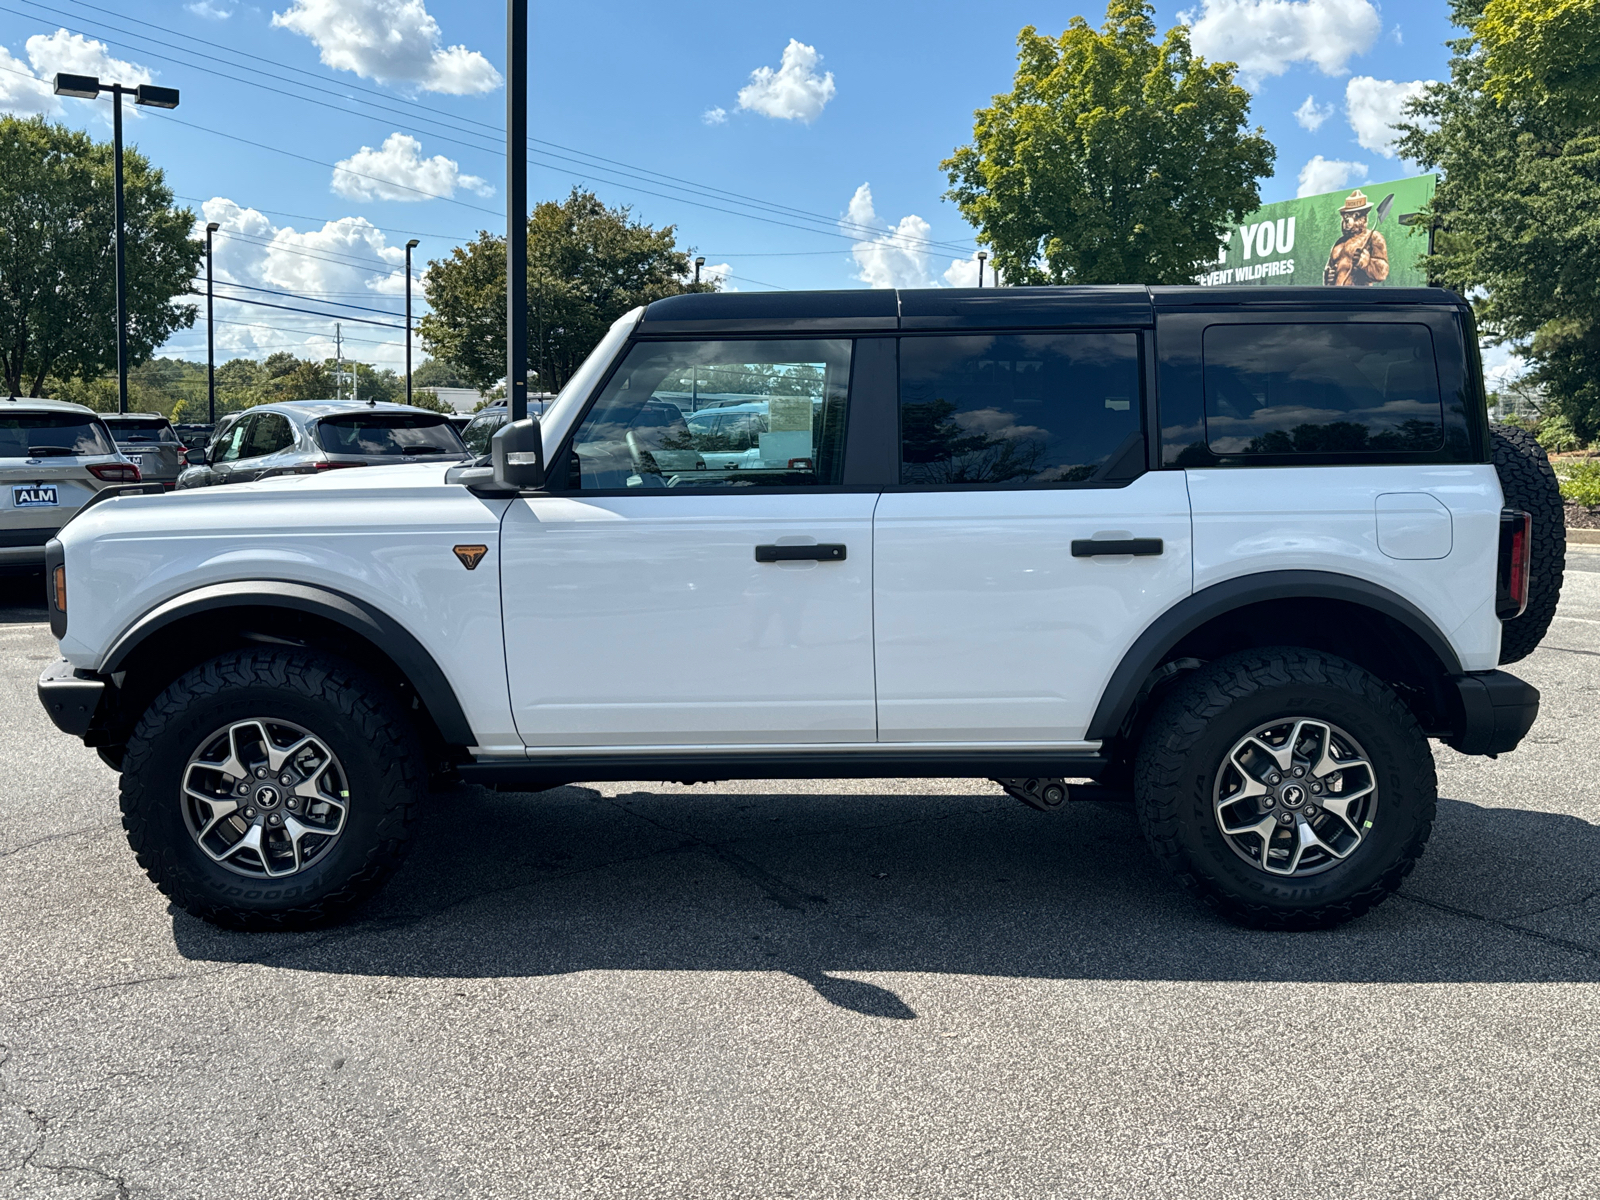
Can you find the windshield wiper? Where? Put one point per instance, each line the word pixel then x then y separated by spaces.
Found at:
pixel 137 438
pixel 51 452
pixel 425 450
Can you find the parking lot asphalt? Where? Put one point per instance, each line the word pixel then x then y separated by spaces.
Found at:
pixel 844 988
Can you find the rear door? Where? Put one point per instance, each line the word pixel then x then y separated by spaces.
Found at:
pixel 1027 546
pixel 659 600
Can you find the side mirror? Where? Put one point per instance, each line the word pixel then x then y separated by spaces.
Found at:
pixel 517 452
pixel 195 458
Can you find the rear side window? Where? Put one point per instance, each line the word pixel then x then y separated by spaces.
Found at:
pixel 1345 388
pixel 399 435
pixel 480 429
pixel 1019 409
pixel 44 435
pixel 140 429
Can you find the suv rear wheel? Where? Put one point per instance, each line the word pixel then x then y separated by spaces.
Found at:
pixel 1286 788
pixel 271 789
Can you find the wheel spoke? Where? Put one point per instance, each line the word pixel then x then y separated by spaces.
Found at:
pixel 1307 837
pixel 1263 829
pixel 276 757
pixel 1282 755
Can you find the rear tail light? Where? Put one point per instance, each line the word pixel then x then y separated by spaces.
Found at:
pixel 335 466
pixel 1516 561
pixel 58 582
pixel 115 472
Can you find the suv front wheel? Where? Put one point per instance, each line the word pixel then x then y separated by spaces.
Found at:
pixel 271 789
pixel 1286 788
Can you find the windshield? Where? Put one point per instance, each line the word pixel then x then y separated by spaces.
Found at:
pixel 564 408
pixel 37 435
pixel 400 435
pixel 140 429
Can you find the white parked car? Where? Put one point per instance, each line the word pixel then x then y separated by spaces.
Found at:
pixel 1239 552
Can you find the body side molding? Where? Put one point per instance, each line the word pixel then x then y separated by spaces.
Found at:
pixel 1183 618
pixel 376 626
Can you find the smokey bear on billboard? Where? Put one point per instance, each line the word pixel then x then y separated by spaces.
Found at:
pixel 1338 239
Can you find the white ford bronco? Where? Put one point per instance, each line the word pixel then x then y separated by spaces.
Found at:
pixel 1236 554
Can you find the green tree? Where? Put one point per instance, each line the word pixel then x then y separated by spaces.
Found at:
pixel 587 265
pixel 1518 215
pixel 57 284
pixel 1543 52
pixel 439 373
pixel 1116 158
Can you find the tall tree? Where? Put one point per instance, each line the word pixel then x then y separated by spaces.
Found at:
pixel 57 283
pixel 1116 158
pixel 1518 209
pixel 587 265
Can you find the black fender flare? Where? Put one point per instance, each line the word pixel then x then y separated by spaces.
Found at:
pixel 360 618
pixel 1193 611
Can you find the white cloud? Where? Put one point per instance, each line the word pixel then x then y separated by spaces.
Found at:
pixel 715 116
pixel 1265 36
pixel 711 273
pixel 211 12
pixel 1327 174
pixel 348 259
pixel 895 258
pixel 399 172
pixel 794 92
pixel 20 92
pixel 1374 106
pixel 392 41
pixel 1311 115
pixel 963 272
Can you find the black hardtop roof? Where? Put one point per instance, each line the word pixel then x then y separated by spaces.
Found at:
pixel 865 310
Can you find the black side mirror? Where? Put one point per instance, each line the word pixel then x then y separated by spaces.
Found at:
pixel 195 458
pixel 517 451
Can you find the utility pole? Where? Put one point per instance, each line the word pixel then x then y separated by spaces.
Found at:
pixel 517 208
pixel 698 263
pixel 410 246
pixel 211 342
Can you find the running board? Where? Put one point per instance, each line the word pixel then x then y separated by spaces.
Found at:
pixel 700 767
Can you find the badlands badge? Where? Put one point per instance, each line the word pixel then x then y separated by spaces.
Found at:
pixel 471 556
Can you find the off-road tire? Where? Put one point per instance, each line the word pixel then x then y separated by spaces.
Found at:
pixel 1529 484
pixel 1189 738
pixel 345 707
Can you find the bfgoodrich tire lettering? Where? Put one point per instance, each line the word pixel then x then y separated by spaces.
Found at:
pixel 1529 484
pixel 1189 743
pixel 348 712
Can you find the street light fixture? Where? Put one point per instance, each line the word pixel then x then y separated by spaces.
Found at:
pixel 410 246
pixel 698 263
pixel 211 343
pixel 982 254
pixel 88 87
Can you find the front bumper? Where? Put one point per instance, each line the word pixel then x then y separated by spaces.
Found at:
pixel 1497 710
pixel 70 701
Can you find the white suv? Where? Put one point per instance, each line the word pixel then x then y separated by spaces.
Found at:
pixel 1237 552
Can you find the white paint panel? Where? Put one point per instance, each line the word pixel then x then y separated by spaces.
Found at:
pixel 1413 525
pixel 1253 519
pixel 988 629
pixel 646 620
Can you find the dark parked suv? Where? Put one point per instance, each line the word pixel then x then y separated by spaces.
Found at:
pixel 151 444
pixel 301 437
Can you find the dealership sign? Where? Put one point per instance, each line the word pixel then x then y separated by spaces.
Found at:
pixel 1371 236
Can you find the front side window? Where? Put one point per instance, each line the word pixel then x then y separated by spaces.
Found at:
pixel 230 442
pixel 718 414
pixel 52 435
pixel 389 435
pixel 1321 389
pixel 1017 409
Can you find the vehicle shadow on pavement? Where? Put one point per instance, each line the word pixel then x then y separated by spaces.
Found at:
pixel 817 885
pixel 22 596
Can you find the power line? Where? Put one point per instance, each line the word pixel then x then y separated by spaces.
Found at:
pixel 449 237
pixel 314 297
pixel 307 311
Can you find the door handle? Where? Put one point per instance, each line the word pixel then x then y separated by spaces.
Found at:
pixel 823 553
pixel 1089 547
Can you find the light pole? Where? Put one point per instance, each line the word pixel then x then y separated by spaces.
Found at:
pixel 698 263
pixel 211 344
pixel 981 256
pixel 87 87
pixel 410 246
pixel 517 208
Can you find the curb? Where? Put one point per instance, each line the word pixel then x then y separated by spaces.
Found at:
pixel 1583 537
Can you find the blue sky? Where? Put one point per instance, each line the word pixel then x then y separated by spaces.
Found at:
pixel 796 109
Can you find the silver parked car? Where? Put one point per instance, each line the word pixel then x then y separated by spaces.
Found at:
pixel 299 437
pixel 150 443
pixel 54 456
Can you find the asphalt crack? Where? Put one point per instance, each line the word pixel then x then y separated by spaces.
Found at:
pixel 1549 939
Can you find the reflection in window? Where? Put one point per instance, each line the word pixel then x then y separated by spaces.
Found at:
pixel 1321 389
pixel 1031 409
pixel 718 415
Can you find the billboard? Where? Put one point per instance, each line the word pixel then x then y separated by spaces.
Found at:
pixel 1371 236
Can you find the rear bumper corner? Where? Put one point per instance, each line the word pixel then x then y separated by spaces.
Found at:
pixel 1497 710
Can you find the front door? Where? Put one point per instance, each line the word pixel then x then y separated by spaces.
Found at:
pixel 679 592
pixel 1000 614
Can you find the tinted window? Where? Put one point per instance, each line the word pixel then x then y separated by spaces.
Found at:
pixel 401 435
pixel 1321 389
pixel 481 428
pixel 1018 409
pixel 37 435
pixel 140 429
pixel 718 414
pixel 270 434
